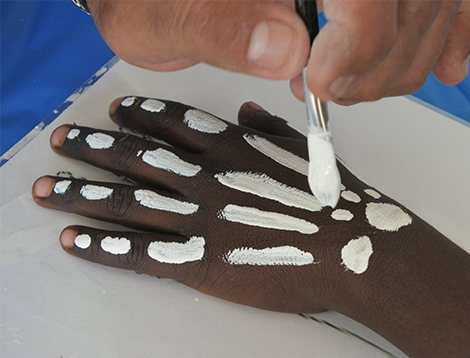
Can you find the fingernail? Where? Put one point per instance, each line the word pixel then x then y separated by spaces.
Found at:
pixel 255 106
pixel 42 188
pixel 59 135
pixel 115 105
pixel 339 86
pixel 271 44
pixel 68 236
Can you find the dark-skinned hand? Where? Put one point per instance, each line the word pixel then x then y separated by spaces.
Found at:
pixel 208 209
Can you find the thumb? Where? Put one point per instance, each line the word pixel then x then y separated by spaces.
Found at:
pixel 262 38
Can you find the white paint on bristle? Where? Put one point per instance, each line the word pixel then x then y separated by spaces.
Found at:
pixel 127 102
pixel 203 122
pixel 323 174
pixel 342 215
pixel 153 105
pixel 99 141
pixel 262 185
pixel 266 219
pixel 356 254
pixel 278 154
pixel 95 192
pixel 116 245
pixel 177 253
pixel 82 241
pixel 372 193
pixel 73 133
pixel 387 217
pixel 270 256
pixel 350 196
pixel 153 200
pixel 163 159
pixel 61 187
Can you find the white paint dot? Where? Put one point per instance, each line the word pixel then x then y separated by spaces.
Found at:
pixel 153 105
pixel 116 245
pixel 127 102
pixel 139 153
pixel 82 241
pixel 372 193
pixel 73 133
pixel 387 217
pixel 203 122
pixel 350 196
pixel 99 141
pixel 342 215
pixel 61 186
pixel 95 192
pixel 356 254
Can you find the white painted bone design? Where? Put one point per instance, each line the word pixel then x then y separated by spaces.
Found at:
pixel 355 254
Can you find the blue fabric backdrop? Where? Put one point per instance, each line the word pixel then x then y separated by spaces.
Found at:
pixel 50 48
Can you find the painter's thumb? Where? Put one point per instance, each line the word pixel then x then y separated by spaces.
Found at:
pixel 262 38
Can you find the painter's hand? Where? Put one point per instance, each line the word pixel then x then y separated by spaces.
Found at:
pixel 374 49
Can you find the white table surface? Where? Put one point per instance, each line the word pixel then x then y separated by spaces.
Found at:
pixel 55 305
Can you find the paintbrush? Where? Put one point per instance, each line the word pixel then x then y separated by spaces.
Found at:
pixel 323 174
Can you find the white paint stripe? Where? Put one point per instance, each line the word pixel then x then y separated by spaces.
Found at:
pixel 278 154
pixel 342 215
pixel 163 159
pixel 99 141
pixel 116 245
pixel 387 217
pixel 281 255
pixel 203 122
pixel 262 185
pixel 127 102
pixel 74 132
pixel 356 254
pixel 95 192
pixel 177 253
pixel 82 241
pixel 153 105
pixel 266 219
pixel 372 193
pixel 61 187
pixel 153 200
pixel 350 196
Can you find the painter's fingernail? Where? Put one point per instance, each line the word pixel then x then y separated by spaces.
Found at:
pixel 339 86
pixel 42 188
pixel 68 236
pixel 271 43
pixel 115 105
pixel 59 135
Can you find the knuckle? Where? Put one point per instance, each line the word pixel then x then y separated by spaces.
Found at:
pixel 119 204
pixel 123 155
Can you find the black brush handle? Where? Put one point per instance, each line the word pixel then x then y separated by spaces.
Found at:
pixel 307 10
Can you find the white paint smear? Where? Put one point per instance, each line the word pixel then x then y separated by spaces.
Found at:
pixel 116 245
pixel 271 256
pixel 83 241
pixel 61 187
pixel 99 141
pixel 350 196
pixel 278 154
pixel 153 200
pixel 153 105
pixel 163 159
pixel 177 253
pixel 323 174
pixel 356 254
pixel 73 133
pixel 127 102
pixel 95 192
pixel 267 219
pixel 387 217
pixel 203 122
pixel 372 193
pixel 342 215
pixel 262 185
